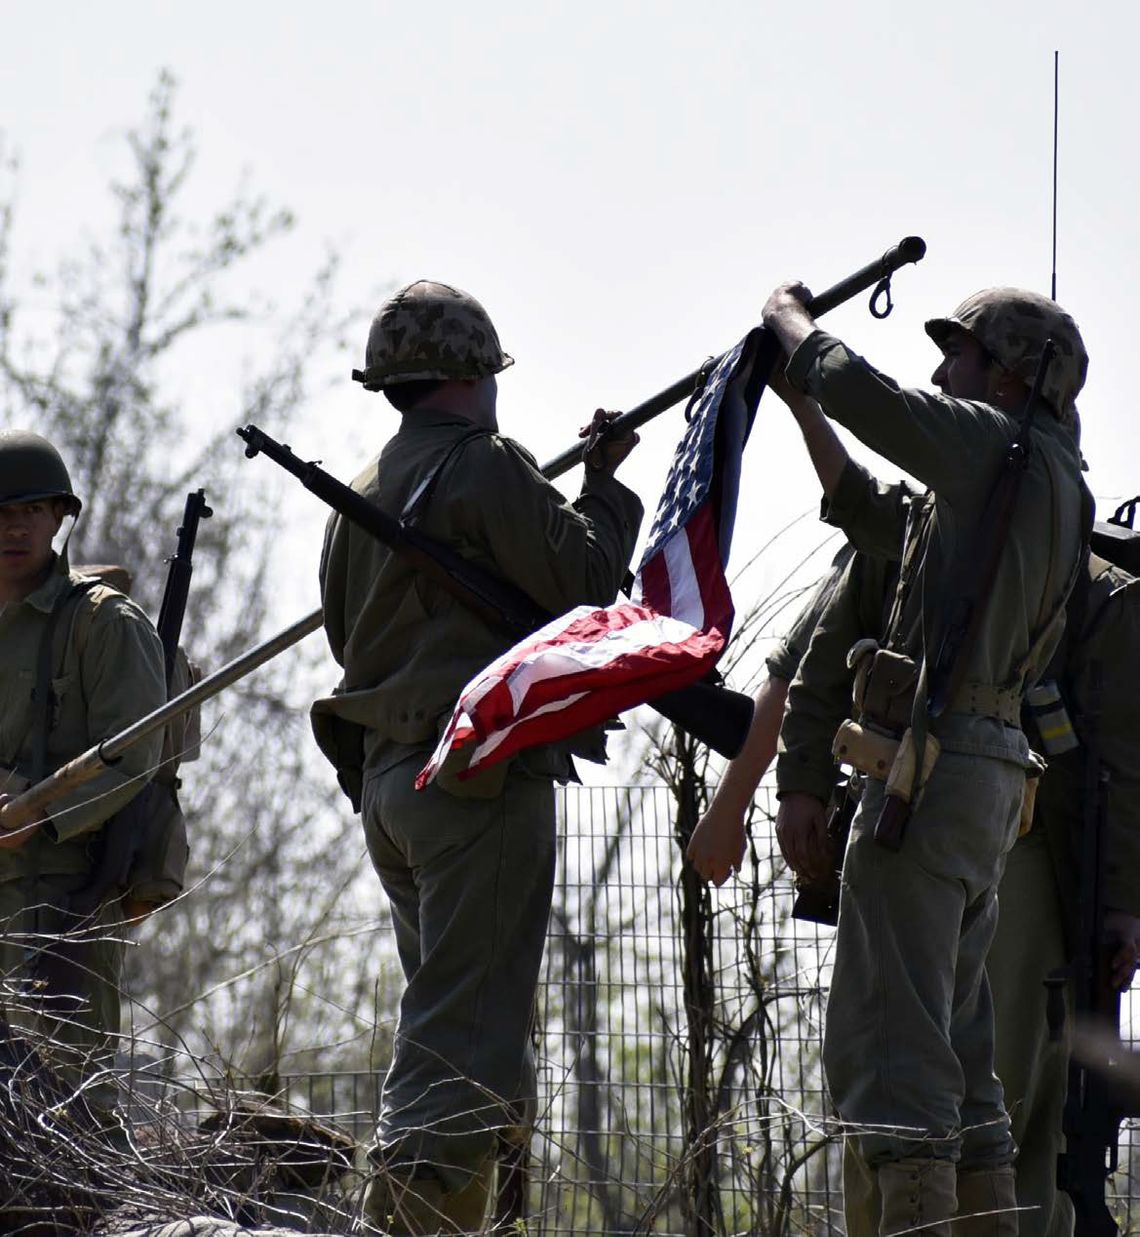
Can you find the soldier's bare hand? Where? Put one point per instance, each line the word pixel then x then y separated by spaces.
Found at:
pixel 604 452
pixel 786 315
pixel 801 830
pixel 716 849
pixel 789 298
pixel 1124 930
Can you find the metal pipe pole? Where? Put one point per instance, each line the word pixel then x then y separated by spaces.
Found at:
pixel 29 807
pixel 909 249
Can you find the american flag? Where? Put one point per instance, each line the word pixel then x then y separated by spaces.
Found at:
pixel 591 664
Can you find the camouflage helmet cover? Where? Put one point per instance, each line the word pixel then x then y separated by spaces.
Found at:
pixel 1012 325
pixel 430 330
pixel 31 468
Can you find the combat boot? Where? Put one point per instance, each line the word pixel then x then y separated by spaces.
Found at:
pixel 407 1203
pixel 862 1205
pixel 918 1197
pixel 987 1203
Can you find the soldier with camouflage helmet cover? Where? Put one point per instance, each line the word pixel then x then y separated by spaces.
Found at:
pixel 468 865
pixel 79 662
pixel 1011 324
pixel 430 331
pixel 909 1045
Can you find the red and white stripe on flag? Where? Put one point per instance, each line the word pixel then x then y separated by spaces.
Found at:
pixel 595 662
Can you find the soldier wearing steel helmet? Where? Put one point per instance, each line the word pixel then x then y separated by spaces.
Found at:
pixel 467 865
pixel 909 1047
pixel 78 663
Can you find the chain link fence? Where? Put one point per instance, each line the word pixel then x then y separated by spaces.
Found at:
pixel 679 1042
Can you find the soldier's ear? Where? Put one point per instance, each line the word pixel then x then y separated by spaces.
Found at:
pixel 1008 390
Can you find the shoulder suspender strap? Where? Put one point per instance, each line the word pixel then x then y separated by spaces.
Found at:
pixel 45 663
pixel 420 496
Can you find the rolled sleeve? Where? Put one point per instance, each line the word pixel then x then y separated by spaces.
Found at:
pixel 784 661
pixel 820 697
pixel 870 513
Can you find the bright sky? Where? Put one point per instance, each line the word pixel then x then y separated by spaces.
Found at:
pixel 620 184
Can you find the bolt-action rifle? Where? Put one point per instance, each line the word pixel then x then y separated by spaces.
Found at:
pixel 172 612
pixel 817 901
pixel 713 714
pixel 29 807
pixel 123 835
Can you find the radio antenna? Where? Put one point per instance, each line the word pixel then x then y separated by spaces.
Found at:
pixel 1056 102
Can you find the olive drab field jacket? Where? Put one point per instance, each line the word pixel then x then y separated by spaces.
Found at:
pixel 956 447
pixel 106 673
pixel 406 645
pixel 1098 676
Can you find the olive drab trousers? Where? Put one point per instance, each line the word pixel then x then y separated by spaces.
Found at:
pixel 1030 943
pixel 62 986
pixel 470 882
pixel 908 1042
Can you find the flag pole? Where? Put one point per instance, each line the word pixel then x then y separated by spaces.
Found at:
pixel 876 274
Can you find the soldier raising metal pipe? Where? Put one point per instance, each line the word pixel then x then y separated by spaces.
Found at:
pixel 909 1040
pixel 468 865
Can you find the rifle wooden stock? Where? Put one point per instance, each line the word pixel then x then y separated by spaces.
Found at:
pixel 909 249
pixel 29 807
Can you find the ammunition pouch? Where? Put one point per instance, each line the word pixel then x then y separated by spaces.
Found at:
pixel 885 683
pixel 486 784
pixel 342 742
pixel 884 688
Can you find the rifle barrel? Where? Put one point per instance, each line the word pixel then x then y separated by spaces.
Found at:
pixel 909 249
pixel 31 805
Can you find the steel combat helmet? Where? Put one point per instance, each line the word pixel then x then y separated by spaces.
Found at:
pixel 430 331
pixel 31 468
pixel 1012 325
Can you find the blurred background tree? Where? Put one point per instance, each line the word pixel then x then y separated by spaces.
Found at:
pixel 262 962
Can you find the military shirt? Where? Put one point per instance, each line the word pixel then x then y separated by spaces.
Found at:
pixel 108 671
pixel 819 697
pixel 407 646
pixel 785 658
pixel 956 447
